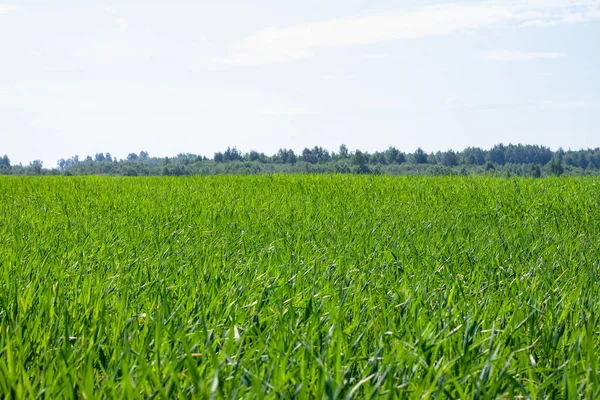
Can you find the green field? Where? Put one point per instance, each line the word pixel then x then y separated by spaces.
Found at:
pixel 299 287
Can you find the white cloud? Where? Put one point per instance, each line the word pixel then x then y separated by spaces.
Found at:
pixel 285 44
pixel 506 55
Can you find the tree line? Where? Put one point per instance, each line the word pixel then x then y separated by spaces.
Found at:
pixel 520 160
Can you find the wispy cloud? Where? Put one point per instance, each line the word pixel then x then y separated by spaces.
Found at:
pixel 6 8
pixel 377 55
pixel 567 105
pixel 507 55
pixel 501 106
pixel 285 44
pixel 557 12
pixel 455 104
pixel 120 20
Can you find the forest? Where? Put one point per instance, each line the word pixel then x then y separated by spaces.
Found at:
pixel 500 160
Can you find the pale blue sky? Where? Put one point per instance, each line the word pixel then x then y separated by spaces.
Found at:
pixel 80 77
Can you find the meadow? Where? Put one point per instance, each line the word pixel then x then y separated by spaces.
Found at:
pixel 299 286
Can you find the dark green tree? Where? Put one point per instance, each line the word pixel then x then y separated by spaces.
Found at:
pixel 343 152
pixel 535 171
pixel 473 152
pixel 253 155
pixel 308 156
pixel 419 157
pixel 232 154
pixel 377 158
pixel 471 159
pixel 359 160
pixel 394 156
pixel 497 155
pixel 555 166
pixel 5 162
pixel 450 159
pixel 36 166
pixel 285 156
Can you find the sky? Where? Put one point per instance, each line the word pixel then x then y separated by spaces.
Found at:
pixel 181 76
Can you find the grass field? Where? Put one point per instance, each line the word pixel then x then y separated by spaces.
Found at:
pixel 299 286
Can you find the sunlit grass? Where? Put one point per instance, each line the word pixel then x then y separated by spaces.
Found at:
pixel 299 286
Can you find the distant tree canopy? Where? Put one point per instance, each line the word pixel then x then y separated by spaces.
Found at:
pixel 4 162
pixel 503 160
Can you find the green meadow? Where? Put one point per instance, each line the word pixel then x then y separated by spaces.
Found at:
pixel 299 286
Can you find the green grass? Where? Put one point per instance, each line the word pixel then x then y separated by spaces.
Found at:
pixel 299 286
